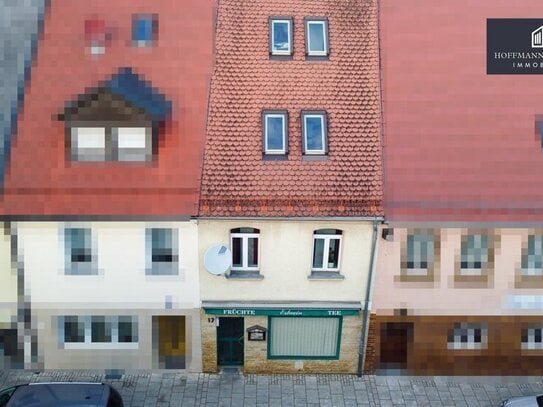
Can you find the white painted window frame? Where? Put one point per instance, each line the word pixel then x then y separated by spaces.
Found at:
pixel 470 344
pixel 245 251
pixel 284 121
pixel 531 344
pixel 325 252
pixel 323 137
pixel 276 51
pixel 324 36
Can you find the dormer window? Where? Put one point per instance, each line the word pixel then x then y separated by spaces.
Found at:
pixel 118 121
pixel 111 143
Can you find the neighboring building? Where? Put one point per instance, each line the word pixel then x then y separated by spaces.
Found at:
pixel 459 283
pixel 10 357
pixel 291 185
pixel 103 180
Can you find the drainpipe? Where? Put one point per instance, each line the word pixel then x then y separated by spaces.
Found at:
pixel 367 307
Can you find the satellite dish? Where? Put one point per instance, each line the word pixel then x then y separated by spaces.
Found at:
pixel 217 259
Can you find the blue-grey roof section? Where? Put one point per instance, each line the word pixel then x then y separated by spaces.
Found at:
pixel 21 22
pixel 132 88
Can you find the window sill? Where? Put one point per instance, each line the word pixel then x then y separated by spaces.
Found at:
pixel 528 281
pixel 244 275
pixel 315 157
pixel 163 269
pixel 281 57
pixel 274 157
pixel 101 345
pixel 326 275
pixel 319 58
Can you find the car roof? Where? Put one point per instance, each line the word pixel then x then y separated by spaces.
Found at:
pixel 60 395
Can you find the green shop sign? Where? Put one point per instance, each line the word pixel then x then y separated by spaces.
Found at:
pixel 282 312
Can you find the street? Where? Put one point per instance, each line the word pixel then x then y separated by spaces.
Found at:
pixel 146 388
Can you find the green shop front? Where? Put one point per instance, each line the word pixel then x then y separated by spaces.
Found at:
pixel 287 337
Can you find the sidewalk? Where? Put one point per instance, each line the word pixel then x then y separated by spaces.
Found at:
pixel 160 389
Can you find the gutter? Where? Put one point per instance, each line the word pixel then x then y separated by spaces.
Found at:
pixel 367 307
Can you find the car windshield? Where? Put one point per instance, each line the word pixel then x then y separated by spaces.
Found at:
pixel 59 395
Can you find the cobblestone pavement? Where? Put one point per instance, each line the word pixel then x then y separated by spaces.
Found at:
pixel 161 389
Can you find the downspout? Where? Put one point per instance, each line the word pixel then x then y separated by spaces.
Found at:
pixel 367 306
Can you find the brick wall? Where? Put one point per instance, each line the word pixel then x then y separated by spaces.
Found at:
pixel 370 363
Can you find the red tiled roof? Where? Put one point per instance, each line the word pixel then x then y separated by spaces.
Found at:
pixel 461 145
pixel 40 180
pixel 236 180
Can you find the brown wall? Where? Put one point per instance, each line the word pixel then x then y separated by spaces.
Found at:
pixel 428 353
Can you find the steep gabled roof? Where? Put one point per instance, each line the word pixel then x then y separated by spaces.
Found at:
pixel 236 180
pixel 41 178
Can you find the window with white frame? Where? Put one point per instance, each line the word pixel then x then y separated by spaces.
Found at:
pixel 275 132
pixel 314 131
pixel 532 337
pixel 316 37
pixel 532 257
pixel 474 254
pixel 420 254
pixel 244 244
pixel 162 250
pixel 326 249
pixel 467 335
pixel 78 251
pixel 98 331
pixel 280 36
pixel 304 338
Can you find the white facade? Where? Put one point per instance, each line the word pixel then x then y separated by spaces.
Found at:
pixel 120 286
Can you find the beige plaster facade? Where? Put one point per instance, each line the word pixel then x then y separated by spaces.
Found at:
pixel 285 251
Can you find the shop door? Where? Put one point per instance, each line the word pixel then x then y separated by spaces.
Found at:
pixel 395 340
pixel 230 341
pixel 171 342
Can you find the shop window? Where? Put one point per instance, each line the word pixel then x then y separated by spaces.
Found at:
pixel 420 253
pixel 245 247
pixel 532 337
pixel 465 335
pixel 316 37
pixel 280 33
pixel 162 251
pixel 304 338
pixel 79 252
pixel 98 332
pixel 326 250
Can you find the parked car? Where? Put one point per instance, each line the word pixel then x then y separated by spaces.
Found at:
pixel 524 401
pixel 73 394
